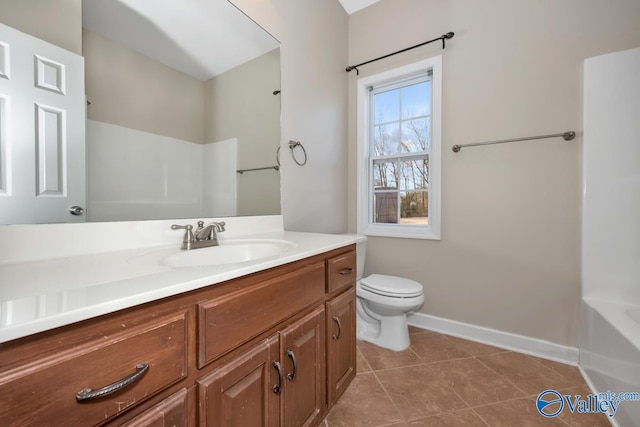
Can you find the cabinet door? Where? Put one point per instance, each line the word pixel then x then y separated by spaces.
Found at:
pixel 171 412
pixel 341 343
pixel 303 357
pixel 242 392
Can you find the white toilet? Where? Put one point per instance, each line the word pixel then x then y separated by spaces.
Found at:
pixel 382 305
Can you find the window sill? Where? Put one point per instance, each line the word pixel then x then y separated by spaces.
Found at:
pixel 401 231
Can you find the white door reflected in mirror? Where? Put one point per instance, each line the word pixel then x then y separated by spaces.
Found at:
pixel 42 130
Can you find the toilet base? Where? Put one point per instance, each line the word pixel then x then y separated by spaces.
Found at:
pixel 392 333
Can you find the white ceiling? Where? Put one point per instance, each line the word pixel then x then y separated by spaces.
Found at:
pixel 352 6
pixel 201 38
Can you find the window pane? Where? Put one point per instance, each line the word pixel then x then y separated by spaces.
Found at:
pixel 416 135
pixel 385 175
pixel 414 208
pixel 416 100
pixel 387 106
pixel 386 208
pixel 414 174
pixel 387 139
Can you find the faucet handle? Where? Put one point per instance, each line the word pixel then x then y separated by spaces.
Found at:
pixel 188 234
pixel 220 226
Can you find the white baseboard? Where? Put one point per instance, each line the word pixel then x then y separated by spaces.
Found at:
pixel 520 343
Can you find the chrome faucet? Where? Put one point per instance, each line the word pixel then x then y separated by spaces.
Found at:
pixel 202 237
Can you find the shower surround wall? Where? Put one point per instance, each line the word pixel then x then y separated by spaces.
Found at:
pixel 147 157
pixel 610 322
pixel 136 175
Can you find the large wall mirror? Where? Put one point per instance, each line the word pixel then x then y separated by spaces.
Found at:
pixel 180 96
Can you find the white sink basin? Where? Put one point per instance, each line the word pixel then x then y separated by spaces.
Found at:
pixel 228 252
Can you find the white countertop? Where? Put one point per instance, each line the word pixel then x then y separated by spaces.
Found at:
pixel 42 294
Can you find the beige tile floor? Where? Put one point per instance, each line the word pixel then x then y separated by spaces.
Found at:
pixel 443 381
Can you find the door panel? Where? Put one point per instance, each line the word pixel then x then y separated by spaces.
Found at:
pixel 42 130
pixel 341 343
pixel 303 359
pixel 241 392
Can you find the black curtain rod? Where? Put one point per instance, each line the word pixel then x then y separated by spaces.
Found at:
pixel 443 37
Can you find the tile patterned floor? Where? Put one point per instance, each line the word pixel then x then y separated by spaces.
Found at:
pixel 442 381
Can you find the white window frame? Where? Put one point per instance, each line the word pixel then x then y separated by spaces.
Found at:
pixel 365 175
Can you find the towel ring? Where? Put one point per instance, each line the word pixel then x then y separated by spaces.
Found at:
pixel 292 146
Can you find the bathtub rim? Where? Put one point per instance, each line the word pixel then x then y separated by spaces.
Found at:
pixel 616 313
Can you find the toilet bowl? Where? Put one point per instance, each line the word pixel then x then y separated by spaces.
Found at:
pixel 382 305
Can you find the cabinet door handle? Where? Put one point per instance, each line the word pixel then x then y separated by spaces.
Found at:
pixel 346 271
pixel 334 336
pixel 292 375
pixel 89 393
pixel 277 388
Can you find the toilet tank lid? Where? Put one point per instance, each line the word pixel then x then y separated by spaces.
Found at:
pixel 392 284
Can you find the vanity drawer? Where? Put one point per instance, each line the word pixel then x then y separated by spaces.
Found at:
pixel 44 393
pixel 341 271
pixel 235 318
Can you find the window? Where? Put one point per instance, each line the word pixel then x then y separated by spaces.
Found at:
pixel 399 152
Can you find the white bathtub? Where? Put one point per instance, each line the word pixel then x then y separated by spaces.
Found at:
pixel 634 313
pixel 610 312
pixel 610 352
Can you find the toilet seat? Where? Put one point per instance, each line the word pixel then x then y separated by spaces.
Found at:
pixel 391 286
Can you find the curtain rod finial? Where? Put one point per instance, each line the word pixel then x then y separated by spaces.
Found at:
pixel 353 67
pixel 449 35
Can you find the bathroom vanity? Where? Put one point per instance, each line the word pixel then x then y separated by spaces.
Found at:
pixel 272 347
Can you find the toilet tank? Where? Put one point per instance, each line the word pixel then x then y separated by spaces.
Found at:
pixel 361 250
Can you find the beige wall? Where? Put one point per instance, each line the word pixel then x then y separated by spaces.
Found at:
pixel 313 34
pixel 131 90
pixel 240 104
pixel 56 21
pixel 510 250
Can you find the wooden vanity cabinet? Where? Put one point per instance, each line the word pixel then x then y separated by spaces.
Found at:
pixel 214 355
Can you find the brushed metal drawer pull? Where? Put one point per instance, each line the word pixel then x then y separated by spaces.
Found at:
pixel 89 393
pixel 292 375
pixel 277 388
pixel 334 336
pixel 346 271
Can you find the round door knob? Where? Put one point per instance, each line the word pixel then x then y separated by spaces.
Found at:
pixel 76 210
